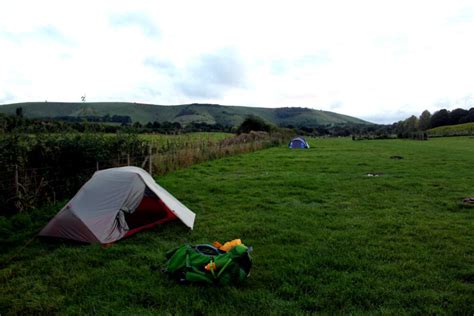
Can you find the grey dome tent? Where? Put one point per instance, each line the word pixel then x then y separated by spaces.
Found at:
pixel 298 142
pixel 116 203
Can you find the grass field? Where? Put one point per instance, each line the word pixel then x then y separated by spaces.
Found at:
pixel 327 238
pixel 189 137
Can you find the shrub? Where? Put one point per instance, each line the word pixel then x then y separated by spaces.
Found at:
pixel 37 169
pixel 253 123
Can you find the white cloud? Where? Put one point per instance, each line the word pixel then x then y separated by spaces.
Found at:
pixel 376 60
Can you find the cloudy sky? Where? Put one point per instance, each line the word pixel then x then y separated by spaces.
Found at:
pixel 377 60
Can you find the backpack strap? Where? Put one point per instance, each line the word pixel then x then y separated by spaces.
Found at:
pixel 225 266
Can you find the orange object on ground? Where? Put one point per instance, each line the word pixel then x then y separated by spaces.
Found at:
pixel 230 244
pixel 208 266
pixel 217 244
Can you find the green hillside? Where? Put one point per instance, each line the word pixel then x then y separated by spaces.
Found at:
pixel 452 130
pixel 184 114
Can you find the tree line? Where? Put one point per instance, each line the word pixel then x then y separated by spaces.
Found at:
pixel 426 121
pixel 122 119
pixel 116 123
pixel 103 124
pixel 412 127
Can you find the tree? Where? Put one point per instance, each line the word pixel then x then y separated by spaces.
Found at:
pixel 19 111
pixel 253 123
pixel 424 122
pixel 440 118
pixel 411 124
pixel 407 127
pixel 469 117
pixel 137 125
pixel 457 115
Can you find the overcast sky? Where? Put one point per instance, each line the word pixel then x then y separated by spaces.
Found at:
pixel 378 60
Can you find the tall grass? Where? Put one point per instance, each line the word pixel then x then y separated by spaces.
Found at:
pixel 186 154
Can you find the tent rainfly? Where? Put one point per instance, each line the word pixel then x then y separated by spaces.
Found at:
pixel 298 142
pixel 116 203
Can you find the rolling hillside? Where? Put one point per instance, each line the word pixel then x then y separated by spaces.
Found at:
pixel 184 114
pixel 452 130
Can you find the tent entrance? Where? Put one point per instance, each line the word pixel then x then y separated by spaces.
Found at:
pixel 150 212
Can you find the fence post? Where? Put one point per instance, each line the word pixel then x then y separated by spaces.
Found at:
pixel 97 166
pixel 149 160
pixel 128 159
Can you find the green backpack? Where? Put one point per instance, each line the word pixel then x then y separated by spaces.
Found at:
pixel 207 264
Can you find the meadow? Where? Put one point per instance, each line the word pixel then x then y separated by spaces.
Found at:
pixel 327 238
pixel 183 138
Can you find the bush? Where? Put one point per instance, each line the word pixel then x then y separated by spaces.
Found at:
pixel 253 123
pixel 37 169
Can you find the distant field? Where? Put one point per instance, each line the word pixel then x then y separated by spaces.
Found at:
pixel 452 130
pixel 187 137
pixel 160 137
pixel 327 238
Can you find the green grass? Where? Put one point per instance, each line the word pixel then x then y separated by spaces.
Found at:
pixel 189 137
pixel 327 238
pixel 452 130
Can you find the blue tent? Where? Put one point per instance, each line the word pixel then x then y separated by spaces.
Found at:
pixel 298 142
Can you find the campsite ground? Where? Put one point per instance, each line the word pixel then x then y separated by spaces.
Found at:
pixel 326 237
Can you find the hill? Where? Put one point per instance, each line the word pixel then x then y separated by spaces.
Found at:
pixel 184 114
pixel 452 130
